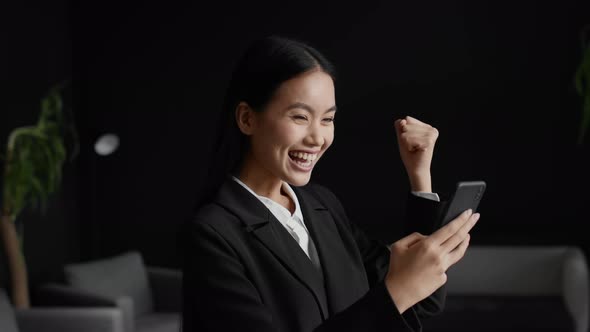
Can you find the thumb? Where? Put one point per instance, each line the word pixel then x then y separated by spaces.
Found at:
pixel 399 123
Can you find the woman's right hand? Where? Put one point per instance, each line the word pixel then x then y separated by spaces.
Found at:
pixel 418 263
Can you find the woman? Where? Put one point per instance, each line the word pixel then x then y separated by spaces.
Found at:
pixel 269 251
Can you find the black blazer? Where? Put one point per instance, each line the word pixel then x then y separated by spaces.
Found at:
pixel 244 272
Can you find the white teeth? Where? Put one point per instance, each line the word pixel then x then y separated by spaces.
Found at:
pixel 302 155
pixel 305 164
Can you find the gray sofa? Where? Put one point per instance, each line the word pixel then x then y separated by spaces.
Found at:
pixel 150 298
pixel 58 319
pixel 516 288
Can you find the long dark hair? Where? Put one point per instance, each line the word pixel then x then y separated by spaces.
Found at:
pixel 264 66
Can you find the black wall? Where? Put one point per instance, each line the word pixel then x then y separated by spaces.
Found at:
pixel 496 79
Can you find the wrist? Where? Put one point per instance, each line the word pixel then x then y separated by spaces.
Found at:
pixel 397 296
pixel 420 181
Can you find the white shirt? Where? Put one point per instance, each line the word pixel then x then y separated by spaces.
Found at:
pixel 293 223
pixel 430 196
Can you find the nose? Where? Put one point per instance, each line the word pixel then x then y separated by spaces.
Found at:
pixel 315 136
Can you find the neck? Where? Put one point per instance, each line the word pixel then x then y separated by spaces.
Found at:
pixel 261 181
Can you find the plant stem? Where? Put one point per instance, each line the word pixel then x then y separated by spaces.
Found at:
pixel 14 252
pixel 16 263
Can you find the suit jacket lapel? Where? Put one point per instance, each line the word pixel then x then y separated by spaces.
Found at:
pixel 344 282
pixel 262 223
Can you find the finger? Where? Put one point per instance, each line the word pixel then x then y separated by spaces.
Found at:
pixel 419 128
pixel 458 253
pixel 422 130
pixel 412 120
pixel 417 136
pixel 448 230
pixel 409 240
pixel 398 127
pixel 413 141
pixel 417 241
pixel 463 232
pixel 402 125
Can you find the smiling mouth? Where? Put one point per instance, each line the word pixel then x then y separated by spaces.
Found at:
pixel 303 159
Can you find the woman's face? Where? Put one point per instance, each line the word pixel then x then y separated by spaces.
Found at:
pixel 296 128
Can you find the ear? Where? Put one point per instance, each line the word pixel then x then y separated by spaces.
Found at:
pixel 245 118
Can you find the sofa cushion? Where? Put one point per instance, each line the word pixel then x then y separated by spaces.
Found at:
pixel 158 322
pixel 7 318
pixel 499 313
pixel 121 275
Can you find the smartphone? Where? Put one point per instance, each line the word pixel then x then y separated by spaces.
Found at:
pixel 467 195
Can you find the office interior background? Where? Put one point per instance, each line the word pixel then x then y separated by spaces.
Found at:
pixel 495 78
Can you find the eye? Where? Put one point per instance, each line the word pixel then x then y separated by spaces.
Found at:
pixel 329 119
pixel 299 117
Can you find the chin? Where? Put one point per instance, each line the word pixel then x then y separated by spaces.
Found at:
pixel 299 181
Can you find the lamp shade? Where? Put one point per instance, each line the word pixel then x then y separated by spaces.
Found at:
pixel 106 144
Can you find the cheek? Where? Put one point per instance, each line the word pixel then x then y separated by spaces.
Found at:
pixel 286 134
pixel 329 137
pixel 277 138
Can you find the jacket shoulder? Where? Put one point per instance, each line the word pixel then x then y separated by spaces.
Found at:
pixel 215 216
pixel 323 194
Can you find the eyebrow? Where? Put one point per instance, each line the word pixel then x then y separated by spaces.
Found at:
pixel 308 108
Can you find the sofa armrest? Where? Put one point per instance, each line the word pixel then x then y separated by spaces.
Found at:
pixel 125 304
pixel 166 285
pixel 70 320
pixel 63 295
pixel 575 287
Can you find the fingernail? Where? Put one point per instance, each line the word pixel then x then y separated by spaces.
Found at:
pixel 468 211
pixel 475 217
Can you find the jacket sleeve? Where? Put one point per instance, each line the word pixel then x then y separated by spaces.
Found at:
pixel 421 216
pixel 218 296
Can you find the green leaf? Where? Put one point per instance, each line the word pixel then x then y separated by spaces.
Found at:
pixel 35 157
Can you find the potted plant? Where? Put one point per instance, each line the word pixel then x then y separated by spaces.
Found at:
pixel 32 171
pixel 582 82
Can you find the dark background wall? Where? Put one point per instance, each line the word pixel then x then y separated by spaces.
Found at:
pixel 496 79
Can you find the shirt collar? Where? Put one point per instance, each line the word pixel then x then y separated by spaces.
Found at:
pixel 267 200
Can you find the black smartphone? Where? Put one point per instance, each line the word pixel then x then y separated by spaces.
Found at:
pixel 467 195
